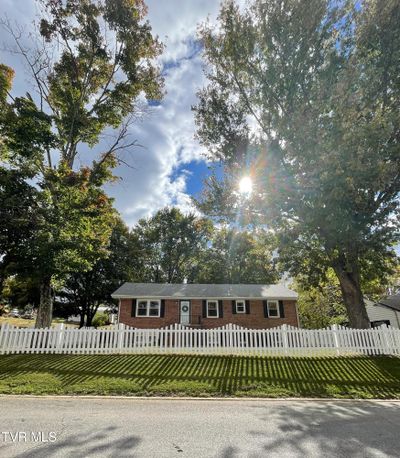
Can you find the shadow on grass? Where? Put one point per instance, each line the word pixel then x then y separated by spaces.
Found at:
pixel 357 376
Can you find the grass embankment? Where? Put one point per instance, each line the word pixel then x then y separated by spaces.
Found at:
pixel 345 377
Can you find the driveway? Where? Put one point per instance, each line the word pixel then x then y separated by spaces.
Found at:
pixel 82 427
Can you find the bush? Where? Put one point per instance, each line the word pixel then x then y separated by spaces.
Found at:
pixel 100 319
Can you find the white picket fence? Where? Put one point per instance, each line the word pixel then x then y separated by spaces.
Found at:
pixel 229 339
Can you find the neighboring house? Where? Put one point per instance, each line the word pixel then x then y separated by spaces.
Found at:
pixel 385 311
pixel 155 305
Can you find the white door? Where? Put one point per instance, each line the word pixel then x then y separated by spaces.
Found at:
pixel 185 312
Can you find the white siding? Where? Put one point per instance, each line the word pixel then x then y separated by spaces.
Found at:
pixel 380 312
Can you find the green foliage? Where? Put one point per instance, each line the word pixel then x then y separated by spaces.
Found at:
pixel 27 133
pixel 304 97
pixel 77 225
pixel 6 77
pixel 322 306
pixel 65 225
pixel 84 292
pixel 100 319
pixel 169 245
pixel 234 256
pixel 20 292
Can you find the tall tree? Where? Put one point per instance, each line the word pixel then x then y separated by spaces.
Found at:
pixel 304 97
pixel 169 246
pixel 86 291
pixel 91 64
pixel 234 256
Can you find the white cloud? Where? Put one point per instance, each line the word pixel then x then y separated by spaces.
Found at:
pixel 168 139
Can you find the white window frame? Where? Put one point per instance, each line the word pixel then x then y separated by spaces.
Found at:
pixel 241 301
pixel 277 309
pixel 216 302
pixel 148 308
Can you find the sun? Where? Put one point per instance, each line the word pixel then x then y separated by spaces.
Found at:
pixel 245 185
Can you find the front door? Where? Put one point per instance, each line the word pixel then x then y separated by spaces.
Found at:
pixel 185 312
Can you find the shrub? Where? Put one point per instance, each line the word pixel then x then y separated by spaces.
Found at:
pixel 100 319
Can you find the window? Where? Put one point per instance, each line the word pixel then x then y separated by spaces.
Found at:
pixel 273 309
pixel 141 308
pixel 212 309
pixel 376 324
pixel 148 308
pixel 240 307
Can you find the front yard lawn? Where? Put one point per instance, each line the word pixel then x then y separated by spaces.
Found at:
pixel 195 375
pixel 29 323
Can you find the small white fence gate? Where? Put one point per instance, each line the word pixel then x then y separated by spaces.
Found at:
pixel 229 339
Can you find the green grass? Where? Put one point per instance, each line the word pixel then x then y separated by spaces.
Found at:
pixel 166 375
pixel 25 323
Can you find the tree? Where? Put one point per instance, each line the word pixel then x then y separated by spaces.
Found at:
pixel 235 256
pixel 62 232
pixel 104 63
pixel 86 291
pixel 21 292
pixel 169 245
pixel 304 97
pixel 322 305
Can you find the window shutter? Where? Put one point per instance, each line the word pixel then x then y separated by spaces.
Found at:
pixel 204 308
pixel 133 310
pixel 281 310
pixel 265 309
pixel 233 306
pixel 247 307
pixel 162 309
pixel 220 309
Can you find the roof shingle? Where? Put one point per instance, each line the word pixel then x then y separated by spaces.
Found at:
pixel 198 291
pixel 391 301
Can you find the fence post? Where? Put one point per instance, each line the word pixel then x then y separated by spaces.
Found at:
pixel 386 336
pixel 285 338
pixel 121 330
pixel 334 329
pixel 3 334
pixel 60 337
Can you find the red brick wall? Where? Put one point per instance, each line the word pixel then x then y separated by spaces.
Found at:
pixel 255 319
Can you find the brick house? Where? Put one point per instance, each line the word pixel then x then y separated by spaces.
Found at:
pixel 155 305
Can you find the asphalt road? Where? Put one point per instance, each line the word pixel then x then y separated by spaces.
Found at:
pixel 85 427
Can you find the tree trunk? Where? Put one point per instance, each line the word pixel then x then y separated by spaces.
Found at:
pixel 89 318
pixel 92 310
pixel 81 318
pixel 349 280
pixel 45 311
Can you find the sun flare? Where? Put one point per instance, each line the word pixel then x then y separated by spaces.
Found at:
pixel 245 185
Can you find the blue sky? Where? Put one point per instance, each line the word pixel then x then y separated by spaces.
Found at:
pixel 170 166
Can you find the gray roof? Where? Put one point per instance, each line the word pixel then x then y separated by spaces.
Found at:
pixel 391 301
pixel 198 291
